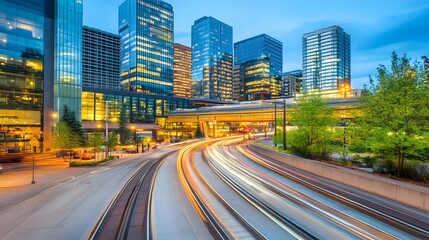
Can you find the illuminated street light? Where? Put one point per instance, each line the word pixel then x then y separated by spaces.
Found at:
pixel 284 125
pixel 275 124
pixel 345 88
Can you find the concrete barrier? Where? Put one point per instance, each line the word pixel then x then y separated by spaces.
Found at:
pixel 410 194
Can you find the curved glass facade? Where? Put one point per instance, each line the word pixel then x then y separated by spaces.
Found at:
pixel 147 50
pixel 68 56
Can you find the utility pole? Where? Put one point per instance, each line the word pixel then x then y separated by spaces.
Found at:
pixel 275 124
pixel 107 129
pixel 284 125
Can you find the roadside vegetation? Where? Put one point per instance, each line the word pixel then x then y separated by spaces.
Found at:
pixel 84 163
pixel 69 134
pixel 389 134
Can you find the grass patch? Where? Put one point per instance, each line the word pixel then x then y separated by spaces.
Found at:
pixel 84 163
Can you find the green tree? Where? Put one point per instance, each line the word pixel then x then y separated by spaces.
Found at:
pixel 395 118
pixel 124 133
pixel 314 120
pixel 198 132
pixel 69 118
pixel 96 140
pixel 65 137
pixel 112 142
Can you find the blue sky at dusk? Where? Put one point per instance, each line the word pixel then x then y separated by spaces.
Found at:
pixel 377 27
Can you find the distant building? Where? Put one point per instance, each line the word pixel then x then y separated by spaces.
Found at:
pixel 258 64
pixel 147 48
pixel 212 59
pixel 326 60
pixel 292 83
pixel 100 59
pixel 182 70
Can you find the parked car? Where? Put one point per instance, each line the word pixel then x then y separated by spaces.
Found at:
pixel 65 153
pixel 87 155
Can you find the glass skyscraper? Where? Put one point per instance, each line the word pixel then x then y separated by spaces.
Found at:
pixel 326 60
pixel 24 70
pixel 258 47
pixel 147 48
pixel 258 64
pixel 212 59
pixel 68 56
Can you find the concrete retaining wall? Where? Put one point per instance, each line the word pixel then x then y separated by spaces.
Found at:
pixel 406 193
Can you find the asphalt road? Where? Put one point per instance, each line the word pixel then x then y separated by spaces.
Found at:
pixel 65 203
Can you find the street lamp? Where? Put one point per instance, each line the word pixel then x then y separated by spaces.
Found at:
pixel 275 124
pixel 135 138
pixel 284 125
pixel 107 129
pixel 99 126
pixel 344 124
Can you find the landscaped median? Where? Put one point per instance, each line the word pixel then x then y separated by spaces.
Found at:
pixel 410 194
pixel 86 163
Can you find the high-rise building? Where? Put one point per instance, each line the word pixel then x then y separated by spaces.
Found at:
pixel 147 50
pixel 182 70
pixel 259 47
pixel 212 59
pixel 100 59
pixel 256 81
pixel 258 64
pixel 68 56
pixel 326 60
pixel 292 83
pixel 26 60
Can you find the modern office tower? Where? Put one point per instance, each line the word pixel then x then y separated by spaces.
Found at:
pixel 292 83
pixel 182 70
pixel 212 59
pixel 258 47
pixel 26 61
pixel 256 81
pixel 326 60
pixel 236 83
pixel 100 59
pixel 258 64
pixel 68 56
pixel 147 50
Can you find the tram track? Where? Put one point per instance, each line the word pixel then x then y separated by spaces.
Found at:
pixel 132 199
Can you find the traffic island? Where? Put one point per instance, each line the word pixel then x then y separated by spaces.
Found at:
pixel 91 163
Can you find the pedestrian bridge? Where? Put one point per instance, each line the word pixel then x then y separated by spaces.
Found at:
pixel 228 118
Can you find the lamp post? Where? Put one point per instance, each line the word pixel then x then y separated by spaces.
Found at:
pixel 96 138
pixel 275 124
pixel 107 129
pixel 284 125
pixel 344 124
pixel 135 137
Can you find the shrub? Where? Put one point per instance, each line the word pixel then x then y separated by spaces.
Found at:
pixel 369 161
pixel 89 163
